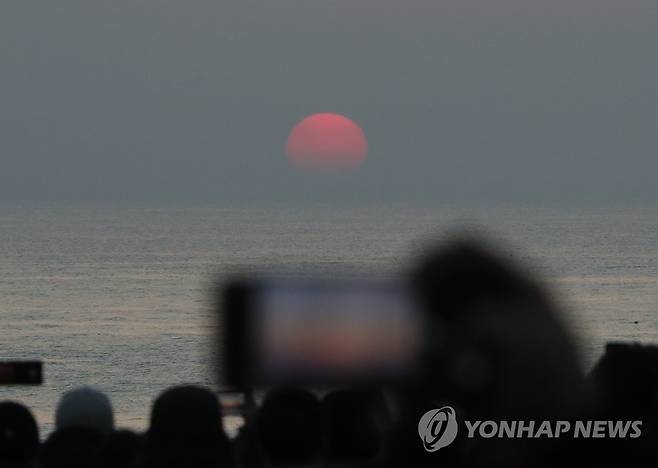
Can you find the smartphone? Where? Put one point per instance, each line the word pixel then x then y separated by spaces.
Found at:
pixel 21 373
pixel 233 403
pixel 318 332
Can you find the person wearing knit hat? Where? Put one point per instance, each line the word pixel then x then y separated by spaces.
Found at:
pixel 85 407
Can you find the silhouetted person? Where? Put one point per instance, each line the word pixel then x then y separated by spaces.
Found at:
pixel 19 436
pixel 625 383
pixel 500 339
pixel 289 428
pixel 498 351
pixel 186 430
pixel 85 407
pixel 352 436
pixel 72 447
pixel 119 450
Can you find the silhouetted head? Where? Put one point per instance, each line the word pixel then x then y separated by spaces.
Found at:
pixel 19 434
pixel 85 407
pixel 467 277
pixel 187 418
pixel 119 450
pixel 72 447
pixel 500 348
pixel 351 432
pixel 290 427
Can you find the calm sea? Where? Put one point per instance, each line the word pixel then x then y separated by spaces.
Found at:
pixel 116 296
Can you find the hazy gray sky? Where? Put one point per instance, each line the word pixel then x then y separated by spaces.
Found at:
pixel 475 99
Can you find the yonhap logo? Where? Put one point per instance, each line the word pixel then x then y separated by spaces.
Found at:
pixel 438 428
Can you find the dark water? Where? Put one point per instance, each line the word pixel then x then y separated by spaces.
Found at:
pixel 117 295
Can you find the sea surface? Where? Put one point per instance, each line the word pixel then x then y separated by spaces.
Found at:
pixel 119 296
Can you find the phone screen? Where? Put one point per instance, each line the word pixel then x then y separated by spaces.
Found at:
pixel 333 331
pixel 21 373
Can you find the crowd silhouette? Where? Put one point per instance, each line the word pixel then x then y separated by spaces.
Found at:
pixel 502 352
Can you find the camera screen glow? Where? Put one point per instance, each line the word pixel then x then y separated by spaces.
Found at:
pixel 322 332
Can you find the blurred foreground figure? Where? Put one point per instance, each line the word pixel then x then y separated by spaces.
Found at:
pixel 84 418
pixel 119 450
pixel 289 428
pixel 499 351
pixel 85 407
pixel 625 383
pixel 186 431
pixel 353 438
pixel 71 447
pixel 19 436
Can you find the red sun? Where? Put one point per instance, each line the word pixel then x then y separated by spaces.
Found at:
pixel 326 141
